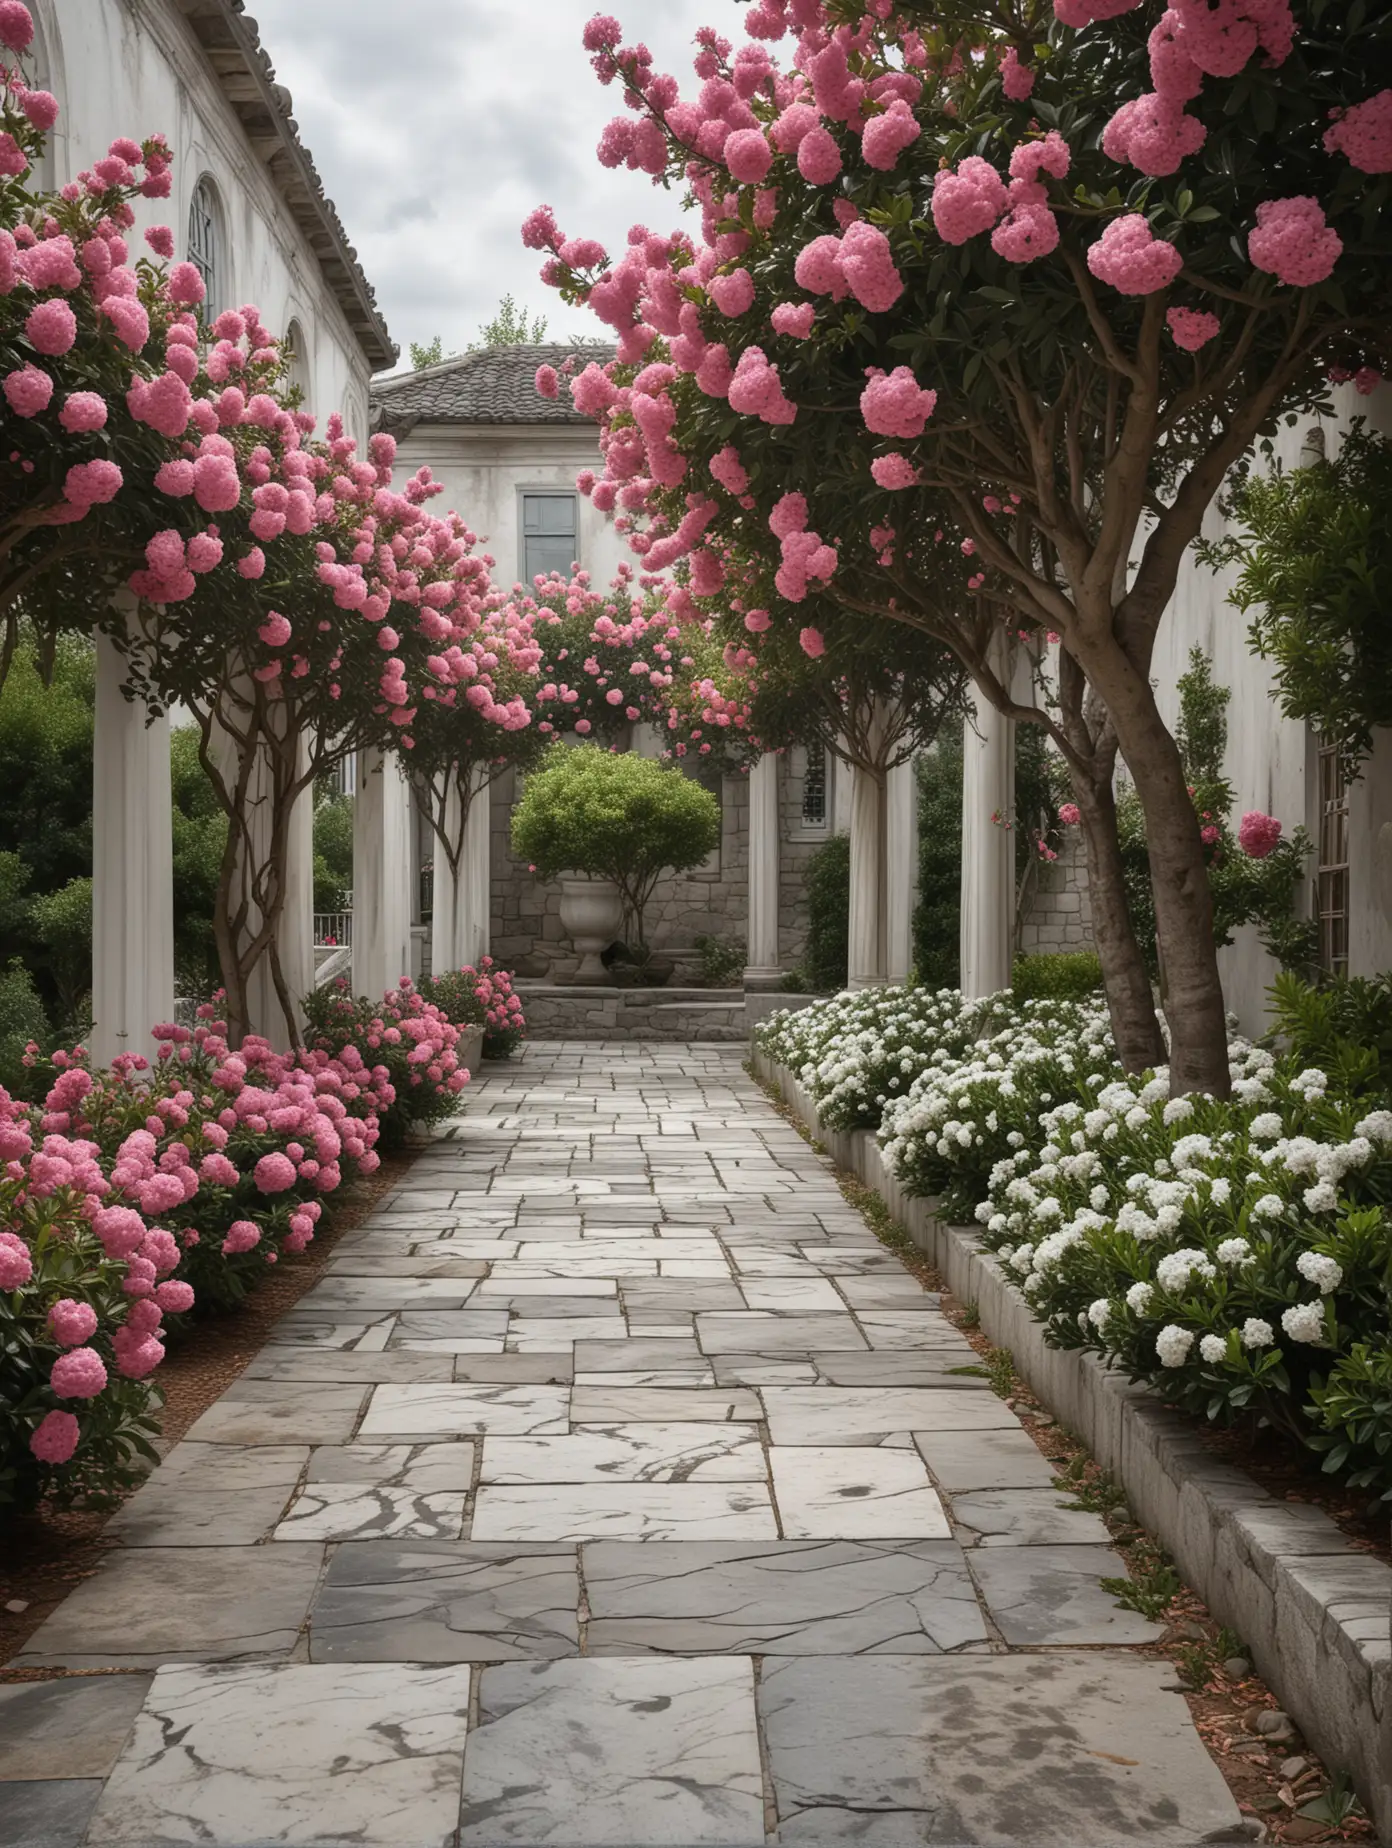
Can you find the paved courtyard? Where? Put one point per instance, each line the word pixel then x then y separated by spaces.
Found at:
pixel 613 1486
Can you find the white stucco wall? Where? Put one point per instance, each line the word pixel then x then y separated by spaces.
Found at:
pixel 133 67
pixel 485 468
pixel 1270 759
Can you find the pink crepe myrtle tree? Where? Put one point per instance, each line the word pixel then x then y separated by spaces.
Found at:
pixel 1089 282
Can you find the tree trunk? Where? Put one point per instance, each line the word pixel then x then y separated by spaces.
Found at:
pixel 1179 878
pixel 1125 979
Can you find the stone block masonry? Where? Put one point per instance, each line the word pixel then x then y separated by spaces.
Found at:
pixel 614 1484
pixel 1058 914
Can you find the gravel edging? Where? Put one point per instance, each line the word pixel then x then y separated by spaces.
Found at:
pixel 1314 1612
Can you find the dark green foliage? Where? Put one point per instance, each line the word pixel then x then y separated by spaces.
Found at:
pixel 1354 1405
pixel 62 925
pixel 22 1018
pixel 723 961
pixel 827 878
pixel 937 931
pixel 200 834
pixel 1070 976
pixel 46 809
pixel 333 852
pixel 1343 1026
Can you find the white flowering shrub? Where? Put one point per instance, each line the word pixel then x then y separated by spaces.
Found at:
pixel 969 1109
pixel 1232 1254
pixel 856 1054
pixel 1237 1255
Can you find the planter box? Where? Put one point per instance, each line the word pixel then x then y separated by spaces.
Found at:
pixel 1312 1610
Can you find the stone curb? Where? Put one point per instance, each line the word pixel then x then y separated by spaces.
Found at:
pixel 1312 1610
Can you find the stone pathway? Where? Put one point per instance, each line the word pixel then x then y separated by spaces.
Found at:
pixel 613 1486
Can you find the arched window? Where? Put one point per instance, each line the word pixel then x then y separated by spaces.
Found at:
pixel 42 73
pixel 207 244
pixel 299 358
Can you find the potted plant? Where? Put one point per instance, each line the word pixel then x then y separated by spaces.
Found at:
pixel 618 821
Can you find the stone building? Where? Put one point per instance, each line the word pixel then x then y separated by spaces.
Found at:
pixel 248 208
pixel 508 459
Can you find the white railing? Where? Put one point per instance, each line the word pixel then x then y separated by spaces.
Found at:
pixel 333 929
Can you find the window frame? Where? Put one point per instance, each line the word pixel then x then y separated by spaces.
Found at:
pixel 1332 870
pixel 210 264
pixel 545 491
pixel 802 828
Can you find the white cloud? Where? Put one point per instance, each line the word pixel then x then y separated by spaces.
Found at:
pixel 437 125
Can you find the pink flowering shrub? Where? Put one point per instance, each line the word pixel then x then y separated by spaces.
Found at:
pixel 480 997
pixel 80 1325
pixel 410 1045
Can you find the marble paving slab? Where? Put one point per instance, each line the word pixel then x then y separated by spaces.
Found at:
pixel 346 1365
pixel 604 1753
pixel 66 1729
pixel 850 1415
pixel 1026 1517
pixel 371 1511
pixel 1080 1751
pixel 624 1510
pixel 48 1812
pixel 464 1410
pixel 614 1405
pixel 311 1414
pixel 532 1369
pixel 965 1460
pixel 1041 1595
pixel 900 1367
pixel 794 1598
pixel 432 1601
pixel 313 1752
pixel 422 1468
pixel 845 1492
pixel 189 1511
pixel 174 1604
pixel 628 1453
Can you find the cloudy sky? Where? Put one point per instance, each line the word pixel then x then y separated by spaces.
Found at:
pixel 436 125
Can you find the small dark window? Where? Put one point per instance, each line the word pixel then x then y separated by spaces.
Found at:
pixel 814 787
pixel 548 535
pixel 1333 871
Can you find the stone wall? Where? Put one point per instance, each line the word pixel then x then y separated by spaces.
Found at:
pixel 634 1013
pixel 1057 915
pixel 711 900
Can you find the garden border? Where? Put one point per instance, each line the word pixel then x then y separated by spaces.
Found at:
pixel 1313 1611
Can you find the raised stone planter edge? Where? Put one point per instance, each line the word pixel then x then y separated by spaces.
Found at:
pixel 1313 1611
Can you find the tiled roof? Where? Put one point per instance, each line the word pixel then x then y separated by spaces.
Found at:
pixel 232 46
pixel 493 386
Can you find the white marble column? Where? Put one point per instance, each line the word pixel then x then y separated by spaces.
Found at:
pixel 474 916
pixel 867 962
pixel 381 876
pixel 132 869
pixel 762 970
pixel 445 902
pixel 901 869
pixel 988 850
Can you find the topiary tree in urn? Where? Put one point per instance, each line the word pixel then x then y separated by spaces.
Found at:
pixel 615 819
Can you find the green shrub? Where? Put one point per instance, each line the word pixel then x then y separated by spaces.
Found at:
pixel 937 923
pixel 333 853
pixel 1068 976
pixel 614 816
pixel 62 923
pixel 22 1018
pixel 1344 1026
pixel 199 837
pixel 723 961
pixel 827 879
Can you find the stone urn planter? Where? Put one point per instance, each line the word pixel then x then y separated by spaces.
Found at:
pixel 591 911
pixel 469 1051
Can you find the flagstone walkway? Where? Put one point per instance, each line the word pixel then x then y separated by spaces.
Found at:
pixel 613 1486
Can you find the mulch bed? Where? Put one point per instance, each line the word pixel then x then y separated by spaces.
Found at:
pixel 49 1550
pixel 1224 1708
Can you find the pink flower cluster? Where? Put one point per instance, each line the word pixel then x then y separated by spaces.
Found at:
pixel 1132 259
pixel 1258 834
pixel 1364 134
pixel 1294 243
pixel 895 405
